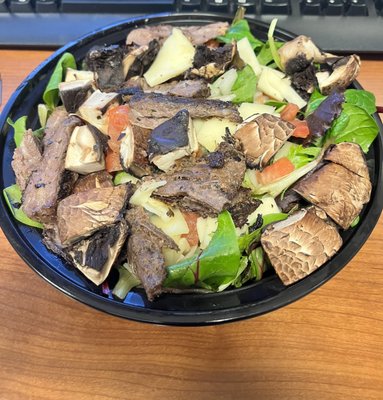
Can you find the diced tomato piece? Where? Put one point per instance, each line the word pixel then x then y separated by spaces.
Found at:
pixel 191 220
pixel 275 171
pixel 289 113
pixel 301 129
pixel 118 120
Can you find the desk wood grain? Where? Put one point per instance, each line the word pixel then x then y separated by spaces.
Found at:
pixel 328 345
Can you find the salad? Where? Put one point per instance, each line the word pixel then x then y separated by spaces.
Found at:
pixel 196 158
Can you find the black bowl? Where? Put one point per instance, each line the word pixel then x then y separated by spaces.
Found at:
pixel 186 309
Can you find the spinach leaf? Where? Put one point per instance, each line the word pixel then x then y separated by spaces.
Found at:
pixel 216 265
pixel 12 195
pixel 51 93
pixel 244 86
pixel 355 125
pixel 239 30
pixel 265 56
pixel 301 156
pixel 362 99
pixel 19 127
pixel 315 100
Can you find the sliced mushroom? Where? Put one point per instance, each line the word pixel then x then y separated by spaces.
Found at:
pixel 74 93
pixel 350 156
pixel 95 256
pixel 299 245
pixel 106 62
pixel 93 110
pixel 344 72
pixel 172 140
pixel 93 181
pixel 91 211
pixel 210 63
pixel 297 54
pixel 262 137
pixel 85 153
pixel 137 61
pixel 336 190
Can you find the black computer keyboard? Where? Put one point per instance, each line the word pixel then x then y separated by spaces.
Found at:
pixel 336 25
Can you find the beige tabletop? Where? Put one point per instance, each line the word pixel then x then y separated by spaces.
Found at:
pixel 328 345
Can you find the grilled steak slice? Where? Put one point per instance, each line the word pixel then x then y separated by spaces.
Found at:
pixel 26 158
pixel 81 214
pixel 140 165
pixel 50 182
pixel 95 255
pixel 262 137
pixel 337 191
pixel 96 180
pixel 299 245
pixel 144 251
pixel 151 109
pixel 242 206
pixel 196 34
pixel 203 189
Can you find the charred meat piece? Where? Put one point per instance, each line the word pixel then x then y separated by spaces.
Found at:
pixel 140 164
pixel 172 140
pixel 337 191
pixel 74 93
pixel 196 34
pixel 350 156
pixel 106 62
pixel 262 137
pixel 26 158
pixel 344 72
pixel 202 189
pixel 299 245
pixel 139 59
pixel 210 63
pixel 151 109
pixel 305 82
pixel 242 206
pixel 95 255
pixel 185 88
pixel 81 214
pixel 145 251
pixel 96 180
pixel 320 120
pixel 50 182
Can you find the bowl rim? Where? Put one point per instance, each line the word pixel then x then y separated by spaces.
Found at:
pixel 172 317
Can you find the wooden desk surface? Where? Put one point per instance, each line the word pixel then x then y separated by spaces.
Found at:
pixel 328 345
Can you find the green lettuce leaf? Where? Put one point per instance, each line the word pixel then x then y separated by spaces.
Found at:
pixel 301 156
pixel 51 93
pixel 272 44
pixel 355 125
pixel 265 57
pixel 12 195
pixel 210 268
pixel 362 99
pixel 19 127
pixel 239 30
pixel 245 86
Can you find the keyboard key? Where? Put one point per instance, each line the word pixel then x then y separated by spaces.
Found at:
pixel 116 6
pixel 334 7
pixel 249 5
pixel 357 8
pixel 21 6
pixel 190 5
pixel 218 5
pixel 46 6
pixel 311 7
pixel 3 6
pixel 275 7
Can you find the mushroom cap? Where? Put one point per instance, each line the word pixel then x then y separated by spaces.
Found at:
pixel 336 190
pixel 344 72
pixel 299 245
pixel 262 137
